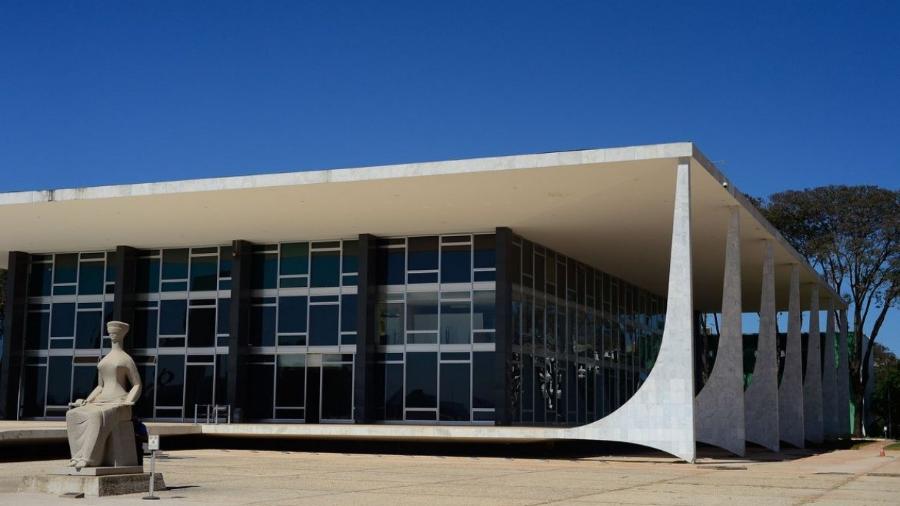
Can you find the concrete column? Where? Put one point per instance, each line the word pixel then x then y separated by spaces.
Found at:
pixel 790 391
pixel 238 341
pixel 14 333
pixel 843 381
pixel 761 397
pixel 812 381
pixel 720 405
pixel 503 299
pixel 661 414
pixel 126 280
pixel 829 378
pixel 364 401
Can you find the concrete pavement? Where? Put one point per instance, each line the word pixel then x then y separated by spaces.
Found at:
pixel 856 476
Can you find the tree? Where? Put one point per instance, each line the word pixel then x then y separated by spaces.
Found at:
pixel 886 397
pixel 851 234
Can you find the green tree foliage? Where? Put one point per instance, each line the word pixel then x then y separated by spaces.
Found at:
pixel 886 397
pixel 851 234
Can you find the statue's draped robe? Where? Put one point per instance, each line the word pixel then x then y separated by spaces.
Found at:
pixel 90 425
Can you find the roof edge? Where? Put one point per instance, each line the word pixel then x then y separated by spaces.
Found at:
pixel 748 206
pixel 365 173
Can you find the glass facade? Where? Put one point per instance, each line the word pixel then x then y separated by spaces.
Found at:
pixel 303 331
pixel 583 341
pixel 436 328
pixel 70 298
pixel 179 339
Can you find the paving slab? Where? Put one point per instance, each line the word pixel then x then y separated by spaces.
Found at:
pixel 232 477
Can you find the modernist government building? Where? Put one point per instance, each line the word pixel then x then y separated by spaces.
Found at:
pixel 532 297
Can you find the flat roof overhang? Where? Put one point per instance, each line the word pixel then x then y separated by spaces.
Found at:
pixel 609 208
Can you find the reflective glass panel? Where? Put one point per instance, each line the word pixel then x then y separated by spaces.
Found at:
pixel 454 392
pixel 485 251
pixel 348 313
pixel 144 406
pixel 143 332
pixel 175 263
pixel 421 380
pixel 423 253
pixel 63 322
pixel 483 374
pixel 391 266
pixel 456 322
pixel 291 380
pixel 84 379
pixel 349 256
pixel 260 377
pixel 204 273
pixel 337 392
pixel 422 311
pixel 326 268
pixel 91 278
pixel 199 389
pixel 291 314
pixel 170 380
pixel 294 258
pixel 265 270
pixel 33 391
pixel 483 309
pixel 262 326
pixel 147 275
pixel 37 330
pixel 202 330
pixel 390 318
pixel 323 325
pixel 172 315
pixel 223 315
pixel 456 264
pixel 393 392
pixel 64 270
pixel 87 329
pixel 225 256
pixel 59 381
pixel 40 279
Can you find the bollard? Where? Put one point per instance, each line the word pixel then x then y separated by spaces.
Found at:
pixel 153 446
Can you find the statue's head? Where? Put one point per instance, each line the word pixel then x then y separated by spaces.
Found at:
pixel 117 331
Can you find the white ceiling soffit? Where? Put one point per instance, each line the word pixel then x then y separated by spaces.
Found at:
pixel 610 208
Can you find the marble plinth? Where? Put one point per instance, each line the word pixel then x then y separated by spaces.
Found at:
pixel 92 485
pixel 97 471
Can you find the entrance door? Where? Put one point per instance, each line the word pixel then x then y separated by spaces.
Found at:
pixel 313 387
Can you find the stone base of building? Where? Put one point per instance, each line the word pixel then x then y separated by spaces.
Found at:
pixel 92 485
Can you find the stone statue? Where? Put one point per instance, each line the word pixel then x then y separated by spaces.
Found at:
pixel 99 428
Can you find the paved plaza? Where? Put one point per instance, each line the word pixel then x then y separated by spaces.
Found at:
pixel 218 476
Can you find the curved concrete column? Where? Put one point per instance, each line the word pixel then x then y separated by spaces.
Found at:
pixel 829 378
pixel 761 397
pixel 812 381
pixel 661 414
pixel 790 391
pixel 720 404
pixel 843 380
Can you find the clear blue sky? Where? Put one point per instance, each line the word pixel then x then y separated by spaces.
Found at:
pixel 785 94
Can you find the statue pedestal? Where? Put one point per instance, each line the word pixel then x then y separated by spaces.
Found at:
pixel 97 471
pixel 93 481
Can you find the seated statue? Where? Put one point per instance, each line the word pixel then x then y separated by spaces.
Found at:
pixel 99 428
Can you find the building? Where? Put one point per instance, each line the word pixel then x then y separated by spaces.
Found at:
pixel 543 296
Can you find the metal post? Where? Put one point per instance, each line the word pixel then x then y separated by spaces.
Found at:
pixel 195 414
pixel 150 496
